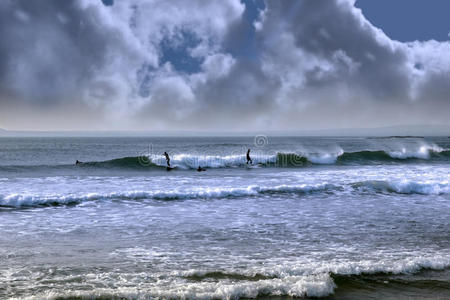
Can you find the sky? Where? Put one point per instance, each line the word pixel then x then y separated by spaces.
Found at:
pixel 224 65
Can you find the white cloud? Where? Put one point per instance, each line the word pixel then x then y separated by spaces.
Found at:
pixel 314 64
pixel 218 65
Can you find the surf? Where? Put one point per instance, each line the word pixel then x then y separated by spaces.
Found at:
pixel 296 279
pixel 187 161
pixel 280 159
pixel 17 200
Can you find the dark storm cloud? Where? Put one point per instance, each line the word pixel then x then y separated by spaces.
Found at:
pixel 216 64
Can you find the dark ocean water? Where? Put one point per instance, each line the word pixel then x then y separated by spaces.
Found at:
pixel 335 218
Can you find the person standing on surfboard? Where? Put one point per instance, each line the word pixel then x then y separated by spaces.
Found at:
pixel 249 158
pixel 167 159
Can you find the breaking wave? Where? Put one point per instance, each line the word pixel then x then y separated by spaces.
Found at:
pixel 398 187
pixel 187 161
pixel 18 200
pixel 316 280
pixel 367 157
pixel 405 187
pixel 294 280
pixel 431 153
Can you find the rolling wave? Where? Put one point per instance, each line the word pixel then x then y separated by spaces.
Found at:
pixel 325 279
pixel 286 160
pixel 318 280
pixel 397 187
pixel 187 161
pixel 394 156
pixel 18 200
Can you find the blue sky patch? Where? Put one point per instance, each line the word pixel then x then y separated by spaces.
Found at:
pixel 409 20
pixel 108 2
pixel 176 51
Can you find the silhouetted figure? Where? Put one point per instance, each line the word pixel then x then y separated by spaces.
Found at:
pixel 167 159
pixel 78 162
pixel 249 159
pixel 200 169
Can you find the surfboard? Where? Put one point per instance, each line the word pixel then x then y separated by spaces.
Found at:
pixel 170 168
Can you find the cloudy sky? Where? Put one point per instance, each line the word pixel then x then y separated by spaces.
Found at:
pixel 223 64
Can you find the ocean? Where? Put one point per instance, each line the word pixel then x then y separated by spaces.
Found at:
pixel 311 217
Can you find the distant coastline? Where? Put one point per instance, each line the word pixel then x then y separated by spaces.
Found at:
pixel 403 131
pixel 398 137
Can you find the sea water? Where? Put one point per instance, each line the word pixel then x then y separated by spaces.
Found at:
pixel 344 218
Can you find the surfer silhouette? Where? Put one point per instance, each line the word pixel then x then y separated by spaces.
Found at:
pixel 78 162
pixel 200 169
pixel 249 159
pixel 167 159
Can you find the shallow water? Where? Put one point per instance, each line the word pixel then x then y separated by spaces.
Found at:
pixel 344 218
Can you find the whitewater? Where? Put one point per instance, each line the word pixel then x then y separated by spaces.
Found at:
pixel 311 217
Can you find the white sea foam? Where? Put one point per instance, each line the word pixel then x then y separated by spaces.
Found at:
pixel 423 152
pixel 17 200
pixel 297 286
pixel 302 279
pixel 324 158
pixel 406 265
pixel 399 266
pixel 313 279
pixel 396 186
pixel 191 161
pixel 188 161
pixel 410 187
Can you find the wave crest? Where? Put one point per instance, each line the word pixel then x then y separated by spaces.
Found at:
pixel 20 200
pixel 400 187
pixel 188 161
pixel 280 159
